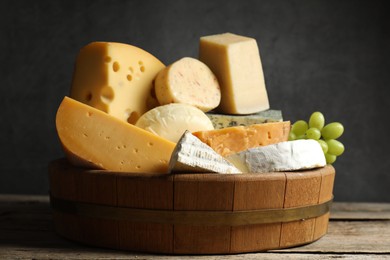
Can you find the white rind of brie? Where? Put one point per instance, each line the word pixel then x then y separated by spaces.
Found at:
pixel 283 156
pixel 192 155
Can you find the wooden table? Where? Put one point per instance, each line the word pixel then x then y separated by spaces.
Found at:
pixel 356 231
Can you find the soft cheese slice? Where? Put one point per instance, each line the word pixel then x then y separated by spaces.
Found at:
pixel 235 60
pixel 284 156
pixel 116 78
pixel 92 138
pixel 188 81
pixel 172 120
pixel 192 155
pixel 235 139
pixel 222 121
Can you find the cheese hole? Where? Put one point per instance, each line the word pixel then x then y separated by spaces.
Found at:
pixel 89 114
pixel 131 69
pixel 150 144
pixel 115 66
pixel 141 66
pixel 85 135
pixel 129 77
pixel 269 135
pixel 138 167
pixel 107 59
pixel 132 117
pixel 135 150
pixel 107 94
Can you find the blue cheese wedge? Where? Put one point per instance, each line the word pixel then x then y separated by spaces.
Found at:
pixel 222 121
pixel 283 156
pixel 192 155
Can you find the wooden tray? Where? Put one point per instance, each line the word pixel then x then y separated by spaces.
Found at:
pixel 190 213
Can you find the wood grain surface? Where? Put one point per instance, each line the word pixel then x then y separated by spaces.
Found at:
pixel 356 231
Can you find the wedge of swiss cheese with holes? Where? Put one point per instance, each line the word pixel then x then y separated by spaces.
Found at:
pixel 94 139
pixel 235 60
pixel 116 78
pixel 231 140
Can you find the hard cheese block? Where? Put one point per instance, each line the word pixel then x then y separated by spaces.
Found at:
pixel 116 78
pixel 172 120
pixel 222 121
pixel 192 155
pixel 92 138
pixel 239 138
pixel 235 60
pixel 284 156
pixel 188 81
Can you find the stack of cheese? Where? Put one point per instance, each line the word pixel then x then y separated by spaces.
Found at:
pixel 128 112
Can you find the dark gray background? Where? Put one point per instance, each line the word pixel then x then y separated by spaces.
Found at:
pixel 331 56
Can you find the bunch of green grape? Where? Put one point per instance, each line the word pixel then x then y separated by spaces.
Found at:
pixel 326 135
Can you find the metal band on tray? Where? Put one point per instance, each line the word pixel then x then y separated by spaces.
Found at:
pixel 194 218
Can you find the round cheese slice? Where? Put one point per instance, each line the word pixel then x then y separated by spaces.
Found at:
pixel 188 81
pixel 172 120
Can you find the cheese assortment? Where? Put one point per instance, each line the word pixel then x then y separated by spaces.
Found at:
pixel 188 81
pixel 192 155
pixel 183 117
pixel 116 78
pixel 128 112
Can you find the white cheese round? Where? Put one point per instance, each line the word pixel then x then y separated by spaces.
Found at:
pixel 172 120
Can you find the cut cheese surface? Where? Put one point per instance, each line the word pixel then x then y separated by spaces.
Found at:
pixel 239 138
pixel 116 78
pixel 192 155
pixel 172 120
pixel 235 60
pixel 188 81
pixel 222 121
pixel 284 156
pixel 92 138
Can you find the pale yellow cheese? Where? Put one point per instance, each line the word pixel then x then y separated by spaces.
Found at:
pixel 116 78
pixel 172 120
pixel 231 140
pixel 188 81
pixel 92 138
pixel 236 62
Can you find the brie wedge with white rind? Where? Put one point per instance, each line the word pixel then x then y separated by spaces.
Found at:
pixel 192 155
pixel 283 156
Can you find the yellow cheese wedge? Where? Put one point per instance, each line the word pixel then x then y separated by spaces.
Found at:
pixel 92 138
pixel 188 81
pixel 231 140
pixel 235 60
pixel 116 78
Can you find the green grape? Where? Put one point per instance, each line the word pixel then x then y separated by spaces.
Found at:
pixel 313 133
pixel 291 136
pixel 324 145
pixel 317 120
pixel 332 131
pixel 335 147
pixel 299 137
pixel 299 127
pixel 330 158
